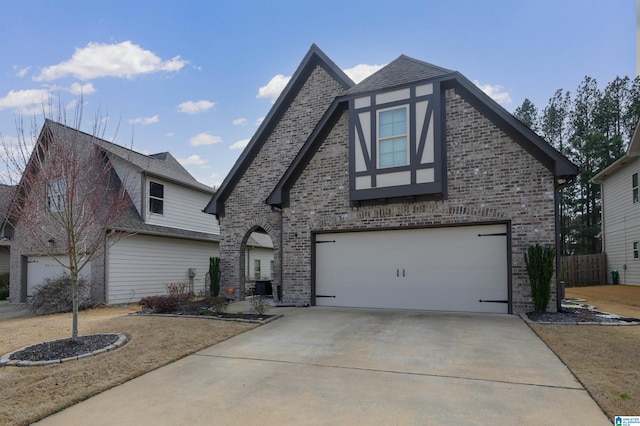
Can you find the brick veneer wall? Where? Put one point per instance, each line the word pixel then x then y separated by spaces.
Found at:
pixel 245 208
pixel 490 179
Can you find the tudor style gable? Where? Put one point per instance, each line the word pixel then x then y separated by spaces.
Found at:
pixel 396 132
pixel 396 144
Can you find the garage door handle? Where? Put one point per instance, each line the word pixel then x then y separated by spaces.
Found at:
pixel 403 273
pixel 397 272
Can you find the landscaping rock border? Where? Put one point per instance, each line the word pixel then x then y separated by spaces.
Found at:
pixel 578 312
pixel 6 360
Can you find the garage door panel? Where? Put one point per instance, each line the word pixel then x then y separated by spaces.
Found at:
pixel 436 269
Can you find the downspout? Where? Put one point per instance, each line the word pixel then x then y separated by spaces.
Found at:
pixel 558 236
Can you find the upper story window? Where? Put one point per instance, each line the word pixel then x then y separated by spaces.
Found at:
pixel 392 137
pixel 636 250
pixel 396 146
pixel 156 197
pixel 634 187
pixel 56 195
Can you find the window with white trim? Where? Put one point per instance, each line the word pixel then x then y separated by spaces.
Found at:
pixel 156 197
pixel 636 250
pixel 273 269
pixel 634 187
pixel 392 137
pixel 56 195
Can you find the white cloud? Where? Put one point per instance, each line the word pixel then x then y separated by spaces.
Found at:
pixel 24 100
pixel 170 134
pixel 495 91
pixel 123 60
pixel 21 72
pixel 193 160
pixel 361 71
pixel 204 138
pixel 84 89
pixel 274 87
pixel 144 120
pixel 240 122
pixel 240 144
pixel 259 121
pixel 214 180
pixel 191 107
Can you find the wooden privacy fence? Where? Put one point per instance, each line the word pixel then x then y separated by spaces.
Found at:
pixel 583 270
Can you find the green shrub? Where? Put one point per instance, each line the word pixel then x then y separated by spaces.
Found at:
pixel 540 262
pixel 214 276
pixel 55 295
pixel 161 304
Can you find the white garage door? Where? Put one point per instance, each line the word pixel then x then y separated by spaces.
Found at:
pixel 449 269
pixel 40 268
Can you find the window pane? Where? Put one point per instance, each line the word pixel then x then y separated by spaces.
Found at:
pixel 156 190
pixel 635 195
pixel 155 205
pixel 386 160
pixel 386 147
pixel 634 180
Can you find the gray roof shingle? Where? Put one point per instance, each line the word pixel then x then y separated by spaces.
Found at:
pixel 402 71
pixel 160 165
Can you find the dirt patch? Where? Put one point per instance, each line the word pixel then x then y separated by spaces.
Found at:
pixel 30 394
pixel 604 358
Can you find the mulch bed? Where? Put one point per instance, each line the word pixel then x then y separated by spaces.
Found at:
pixel 577 315
pixel 65 348
pixel 199 308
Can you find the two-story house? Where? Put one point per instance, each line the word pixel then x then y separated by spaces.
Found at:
pixel 168 237
pixel 410 190
pixel 620 197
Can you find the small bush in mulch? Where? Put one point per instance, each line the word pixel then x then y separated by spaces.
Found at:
pixel 163 304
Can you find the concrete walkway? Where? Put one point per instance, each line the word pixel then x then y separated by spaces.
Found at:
pixel 351 366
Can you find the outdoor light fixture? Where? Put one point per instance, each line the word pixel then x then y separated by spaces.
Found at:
pixel 51 242
pixel 5 238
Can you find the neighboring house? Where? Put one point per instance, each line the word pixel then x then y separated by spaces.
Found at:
pixel 171 238
pixel 410 190
pixel 6 195
pixel 259 258
pixel 620 196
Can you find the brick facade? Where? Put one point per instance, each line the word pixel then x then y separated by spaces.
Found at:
pixel 245 209
pixel 491 178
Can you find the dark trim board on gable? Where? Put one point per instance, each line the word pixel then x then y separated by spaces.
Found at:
pixel 313 58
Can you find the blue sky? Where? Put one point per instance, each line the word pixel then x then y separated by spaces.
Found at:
pixel 196 77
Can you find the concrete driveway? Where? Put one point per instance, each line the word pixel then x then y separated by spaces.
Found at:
pixel 353 366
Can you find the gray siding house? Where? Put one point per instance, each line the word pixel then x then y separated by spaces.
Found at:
pixel 410 190
pixel 168 235
pixel 619 193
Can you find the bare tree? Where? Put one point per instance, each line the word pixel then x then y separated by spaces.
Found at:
pixel 68 195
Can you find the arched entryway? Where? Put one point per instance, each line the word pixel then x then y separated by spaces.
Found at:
pixel 259 263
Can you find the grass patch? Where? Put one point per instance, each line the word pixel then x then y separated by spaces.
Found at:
pixel 30 394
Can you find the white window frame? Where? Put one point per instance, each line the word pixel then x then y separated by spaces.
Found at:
pixel 634 188
pixel 56 195
pixel 406 135
pixel 156 198
pixel 636 250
